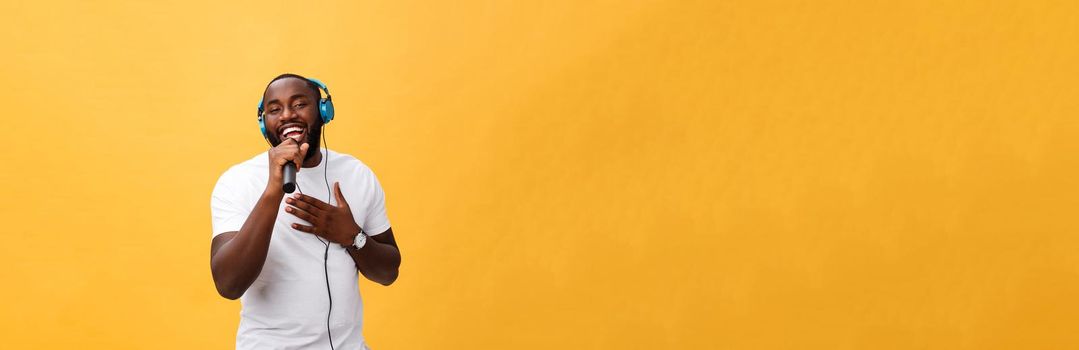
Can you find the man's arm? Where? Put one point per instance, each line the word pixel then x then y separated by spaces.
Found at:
pixel 379 259
pixel 236 257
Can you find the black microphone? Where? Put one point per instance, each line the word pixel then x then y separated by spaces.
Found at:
pixel 289 177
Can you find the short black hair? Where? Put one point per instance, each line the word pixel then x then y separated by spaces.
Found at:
pixel 310 85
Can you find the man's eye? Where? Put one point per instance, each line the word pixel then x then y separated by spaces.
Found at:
pixel 299 105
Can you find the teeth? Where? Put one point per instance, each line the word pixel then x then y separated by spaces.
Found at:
pixel 291 129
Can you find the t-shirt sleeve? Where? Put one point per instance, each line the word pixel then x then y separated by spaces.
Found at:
pixel 376 221
pixel 226 211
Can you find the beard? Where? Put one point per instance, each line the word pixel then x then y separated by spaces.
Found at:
pixel 313 134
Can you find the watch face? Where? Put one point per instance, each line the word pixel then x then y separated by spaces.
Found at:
pixel 360 240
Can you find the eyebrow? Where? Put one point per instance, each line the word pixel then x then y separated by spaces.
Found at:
pixel 293 97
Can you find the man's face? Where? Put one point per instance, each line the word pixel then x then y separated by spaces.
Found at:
pixel 291 111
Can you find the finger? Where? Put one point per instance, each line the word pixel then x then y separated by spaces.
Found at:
pixel 303 215
pixel 280 154
pixel 340 196
pixel 305 228
pixel 314 211
pixel 312 201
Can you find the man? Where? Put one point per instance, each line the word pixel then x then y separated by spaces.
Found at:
pixel 293 259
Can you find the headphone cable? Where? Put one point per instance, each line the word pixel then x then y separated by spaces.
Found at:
pixel 326 253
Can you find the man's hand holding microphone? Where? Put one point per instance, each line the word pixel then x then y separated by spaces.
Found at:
pixel 285 159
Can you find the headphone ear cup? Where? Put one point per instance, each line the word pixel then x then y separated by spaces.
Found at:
pixel 262 123
pixel 262 127
pixel 325 110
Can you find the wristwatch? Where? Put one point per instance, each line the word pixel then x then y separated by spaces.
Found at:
pixel 359 241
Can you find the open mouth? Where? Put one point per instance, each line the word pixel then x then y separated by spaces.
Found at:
pixel 294 132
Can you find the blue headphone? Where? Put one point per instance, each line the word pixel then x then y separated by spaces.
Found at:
pixel 325 108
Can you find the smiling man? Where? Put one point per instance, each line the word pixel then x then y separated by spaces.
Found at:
pixel 294 260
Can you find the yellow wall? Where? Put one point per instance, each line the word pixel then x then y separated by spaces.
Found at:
pixel 566 174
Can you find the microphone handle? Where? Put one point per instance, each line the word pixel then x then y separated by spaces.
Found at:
pixel 289 177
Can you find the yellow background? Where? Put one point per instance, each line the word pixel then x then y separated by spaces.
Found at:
pixel 566 174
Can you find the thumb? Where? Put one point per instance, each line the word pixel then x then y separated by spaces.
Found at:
pixel 303 153
pixel 340 197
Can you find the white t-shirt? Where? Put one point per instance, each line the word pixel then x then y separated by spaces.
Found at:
pixel 287 305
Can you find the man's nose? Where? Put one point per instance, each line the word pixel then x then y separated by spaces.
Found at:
pixel 289 114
